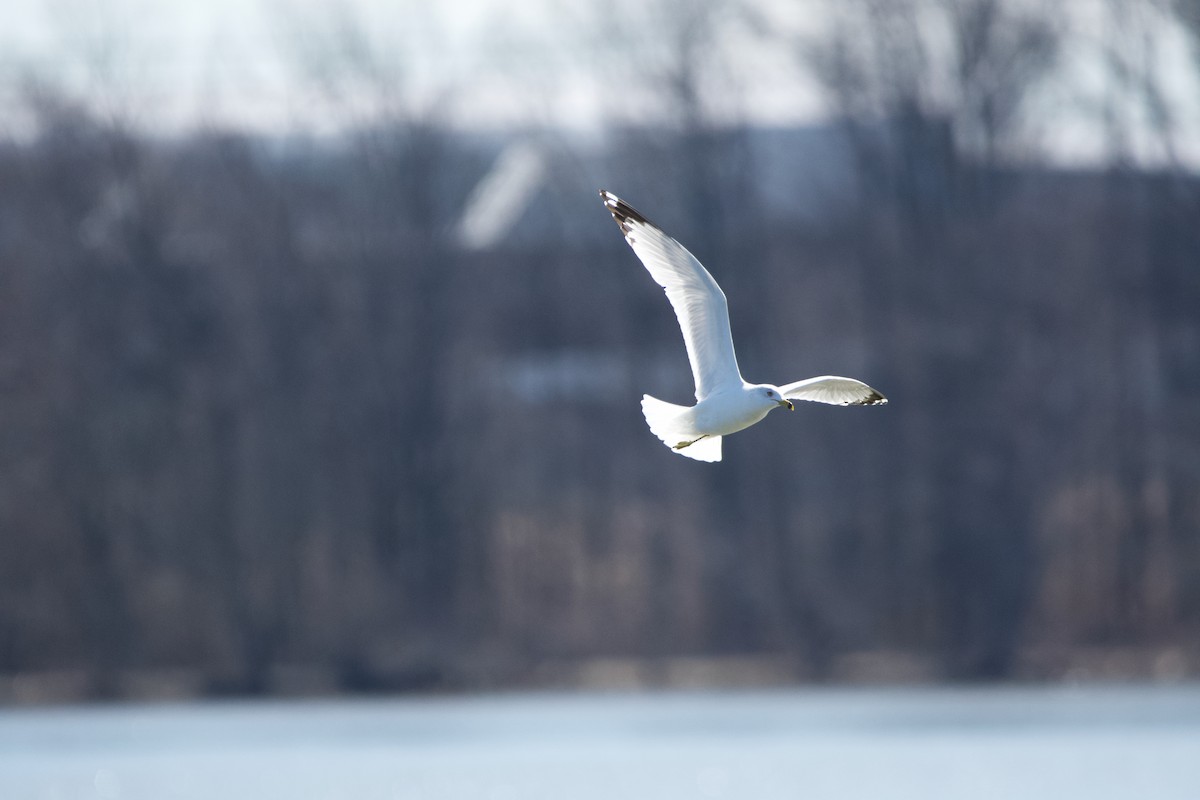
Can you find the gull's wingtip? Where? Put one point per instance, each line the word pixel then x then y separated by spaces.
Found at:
pixel 622 212
pixel 872 399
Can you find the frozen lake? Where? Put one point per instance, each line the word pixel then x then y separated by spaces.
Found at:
pixel 1061 743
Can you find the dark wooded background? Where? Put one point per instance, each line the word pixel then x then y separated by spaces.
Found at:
pixel 267 425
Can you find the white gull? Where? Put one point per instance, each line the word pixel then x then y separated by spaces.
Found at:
pixel 725 402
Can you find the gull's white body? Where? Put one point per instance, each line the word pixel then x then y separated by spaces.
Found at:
pixel 725 403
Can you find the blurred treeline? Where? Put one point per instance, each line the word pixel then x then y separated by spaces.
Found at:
pixel 266 422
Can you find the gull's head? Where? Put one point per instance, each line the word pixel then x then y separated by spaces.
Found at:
pixel 773 397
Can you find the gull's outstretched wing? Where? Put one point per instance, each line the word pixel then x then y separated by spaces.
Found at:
pixel 698 301
pixel 833 390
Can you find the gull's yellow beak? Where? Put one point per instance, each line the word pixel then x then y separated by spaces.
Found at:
pixel 787 404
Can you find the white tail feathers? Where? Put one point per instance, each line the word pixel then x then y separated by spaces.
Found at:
pixel 673 425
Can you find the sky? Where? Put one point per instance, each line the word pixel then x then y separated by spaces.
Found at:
pixel 257 65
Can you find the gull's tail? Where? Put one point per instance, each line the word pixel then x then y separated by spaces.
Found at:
pixel 673 425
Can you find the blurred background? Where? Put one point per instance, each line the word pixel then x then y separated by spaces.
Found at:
pixel 320 358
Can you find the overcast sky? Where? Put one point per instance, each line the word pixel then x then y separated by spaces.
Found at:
pixel 172 64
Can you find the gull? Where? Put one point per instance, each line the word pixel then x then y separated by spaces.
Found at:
pixel 725 402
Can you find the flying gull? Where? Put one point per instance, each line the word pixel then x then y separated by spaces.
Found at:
pixel 725 403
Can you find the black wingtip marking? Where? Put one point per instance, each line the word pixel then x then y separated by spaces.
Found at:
pixel 873 399
pixel 622 212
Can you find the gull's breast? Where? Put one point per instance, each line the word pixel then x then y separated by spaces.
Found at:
pixel 720 415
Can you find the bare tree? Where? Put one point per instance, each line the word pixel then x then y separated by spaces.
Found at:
pixel 930 96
